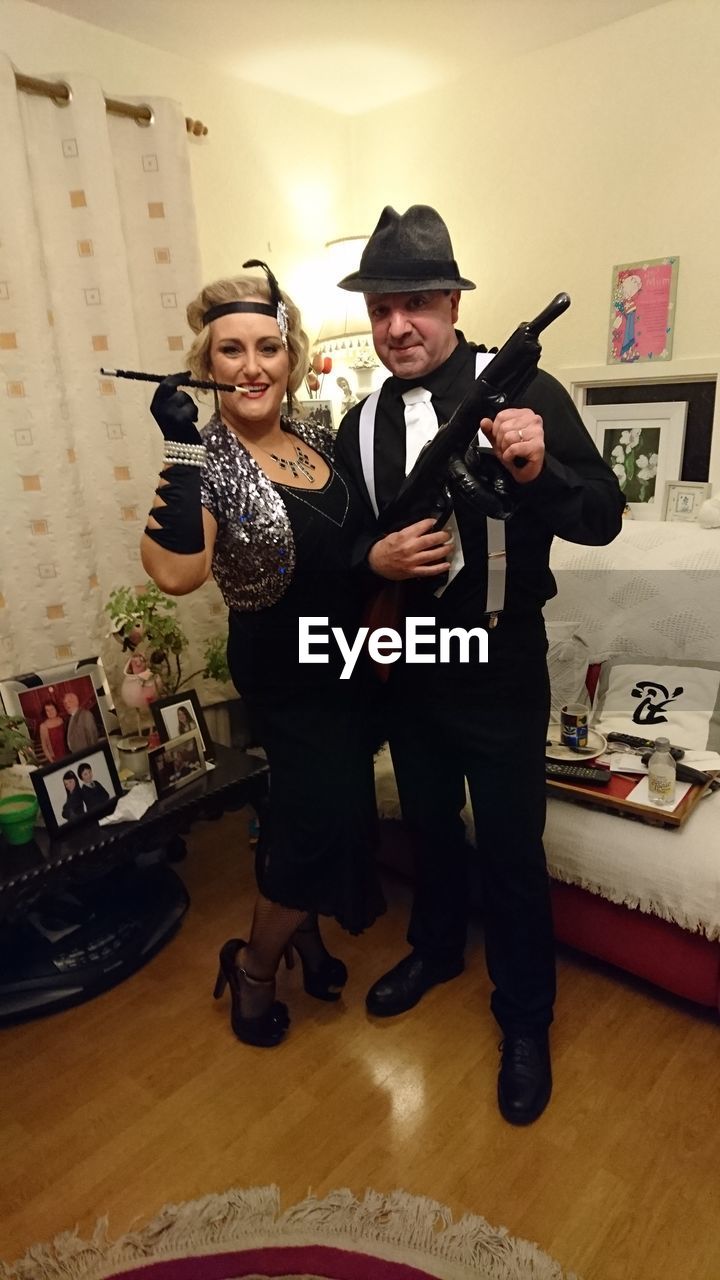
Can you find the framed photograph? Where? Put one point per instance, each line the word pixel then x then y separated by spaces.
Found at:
pixel 66 709
pixel 176 762
pixel 318 413
pixel 83 787
pixel 642 311
pixel 181 713
pixel 684 498
pixel 643 443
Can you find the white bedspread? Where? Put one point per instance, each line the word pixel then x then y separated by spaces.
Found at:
pixel 654 591
pixel 671 873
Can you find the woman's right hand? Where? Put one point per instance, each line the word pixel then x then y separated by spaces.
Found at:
pixel 175 412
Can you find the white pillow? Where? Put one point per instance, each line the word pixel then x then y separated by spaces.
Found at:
pixel 567 659
pixel 652 698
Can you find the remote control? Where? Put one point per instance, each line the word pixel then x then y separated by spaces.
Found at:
pixel 587 774
pixel 646 744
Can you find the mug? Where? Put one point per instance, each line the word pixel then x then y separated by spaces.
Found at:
pixel 132 757
pixel 574 725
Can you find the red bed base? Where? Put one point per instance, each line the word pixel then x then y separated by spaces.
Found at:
pixel 685 963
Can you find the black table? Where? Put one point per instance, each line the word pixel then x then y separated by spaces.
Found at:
pixel 89 849
pixel 80 913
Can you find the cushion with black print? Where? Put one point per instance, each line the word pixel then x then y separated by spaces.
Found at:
pixel 654 698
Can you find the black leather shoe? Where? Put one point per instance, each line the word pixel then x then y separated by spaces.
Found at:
pixel 525 1079
pixel 402 987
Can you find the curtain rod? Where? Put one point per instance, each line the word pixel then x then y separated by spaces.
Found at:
pixel 62 95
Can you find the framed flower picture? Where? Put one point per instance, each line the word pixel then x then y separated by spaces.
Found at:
pixel 643 444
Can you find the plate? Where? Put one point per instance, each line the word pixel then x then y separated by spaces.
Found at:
pixel 554 750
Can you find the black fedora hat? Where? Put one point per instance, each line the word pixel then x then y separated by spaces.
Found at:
pixel 407 252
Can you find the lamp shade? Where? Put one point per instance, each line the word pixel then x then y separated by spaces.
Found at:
pixel 345 328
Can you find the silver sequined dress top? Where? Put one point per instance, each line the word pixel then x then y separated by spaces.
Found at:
pixel 254 557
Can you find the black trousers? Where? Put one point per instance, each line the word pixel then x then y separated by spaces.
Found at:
pixel 487 724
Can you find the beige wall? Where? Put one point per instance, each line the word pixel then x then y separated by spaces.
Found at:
pixel 598 151
pixel 549 171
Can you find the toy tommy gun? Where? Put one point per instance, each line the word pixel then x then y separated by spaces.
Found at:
pixel 501 382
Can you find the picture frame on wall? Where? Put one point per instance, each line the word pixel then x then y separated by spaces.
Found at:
pixel 317 413
pixel 80 788
pixel 643 444
pixel 176 763
pixel 684 498
pixel 642 311
pixel 180 713
pixel 66 708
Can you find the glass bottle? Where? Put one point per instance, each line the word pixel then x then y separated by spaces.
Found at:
pixel 661 774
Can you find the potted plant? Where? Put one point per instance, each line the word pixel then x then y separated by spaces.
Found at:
pixel 17 758
pixel 149 616
pixel 14 741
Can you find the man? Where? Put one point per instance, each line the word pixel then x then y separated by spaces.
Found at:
pixel 92 791
pixel 484 722
pixel 81 729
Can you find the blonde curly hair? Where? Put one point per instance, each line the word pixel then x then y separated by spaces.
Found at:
pixel 240 289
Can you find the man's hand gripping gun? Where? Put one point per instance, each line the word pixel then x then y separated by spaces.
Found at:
pixel 443 464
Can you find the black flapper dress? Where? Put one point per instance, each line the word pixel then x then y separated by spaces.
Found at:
pixel 319 834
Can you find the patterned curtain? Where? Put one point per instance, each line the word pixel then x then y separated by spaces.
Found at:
pixel 98 258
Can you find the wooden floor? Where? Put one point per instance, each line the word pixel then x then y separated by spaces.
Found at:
pixel 143 1096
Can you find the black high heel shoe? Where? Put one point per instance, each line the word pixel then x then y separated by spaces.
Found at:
pixel 268 1028
pixel 324 981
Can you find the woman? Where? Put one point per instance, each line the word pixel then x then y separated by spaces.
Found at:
pixel 185 721
pixel 257 502
pixel 52 733
pixel 74 806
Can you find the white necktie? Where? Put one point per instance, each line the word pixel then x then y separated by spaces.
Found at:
pixel 421 425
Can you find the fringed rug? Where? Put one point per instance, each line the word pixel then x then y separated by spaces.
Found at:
pixel 245 1235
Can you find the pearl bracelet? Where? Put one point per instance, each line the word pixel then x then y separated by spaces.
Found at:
pixel 176 451
pixel 183 462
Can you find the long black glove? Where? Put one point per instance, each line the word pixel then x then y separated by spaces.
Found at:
pixel 175 412
pixel 485 483
pixel 180 516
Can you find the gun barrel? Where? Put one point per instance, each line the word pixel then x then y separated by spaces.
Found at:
pixel 560 303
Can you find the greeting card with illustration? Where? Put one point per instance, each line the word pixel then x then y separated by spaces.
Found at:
pixel 642 313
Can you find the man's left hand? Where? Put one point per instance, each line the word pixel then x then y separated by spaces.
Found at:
pixel 517 433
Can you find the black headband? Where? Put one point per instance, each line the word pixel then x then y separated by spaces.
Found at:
pixel 275 308
pixel 227 308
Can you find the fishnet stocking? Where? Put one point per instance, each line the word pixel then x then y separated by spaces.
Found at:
pixel 272 928
pixel 309 944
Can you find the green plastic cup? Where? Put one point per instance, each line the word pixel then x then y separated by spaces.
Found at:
pixel 17 818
